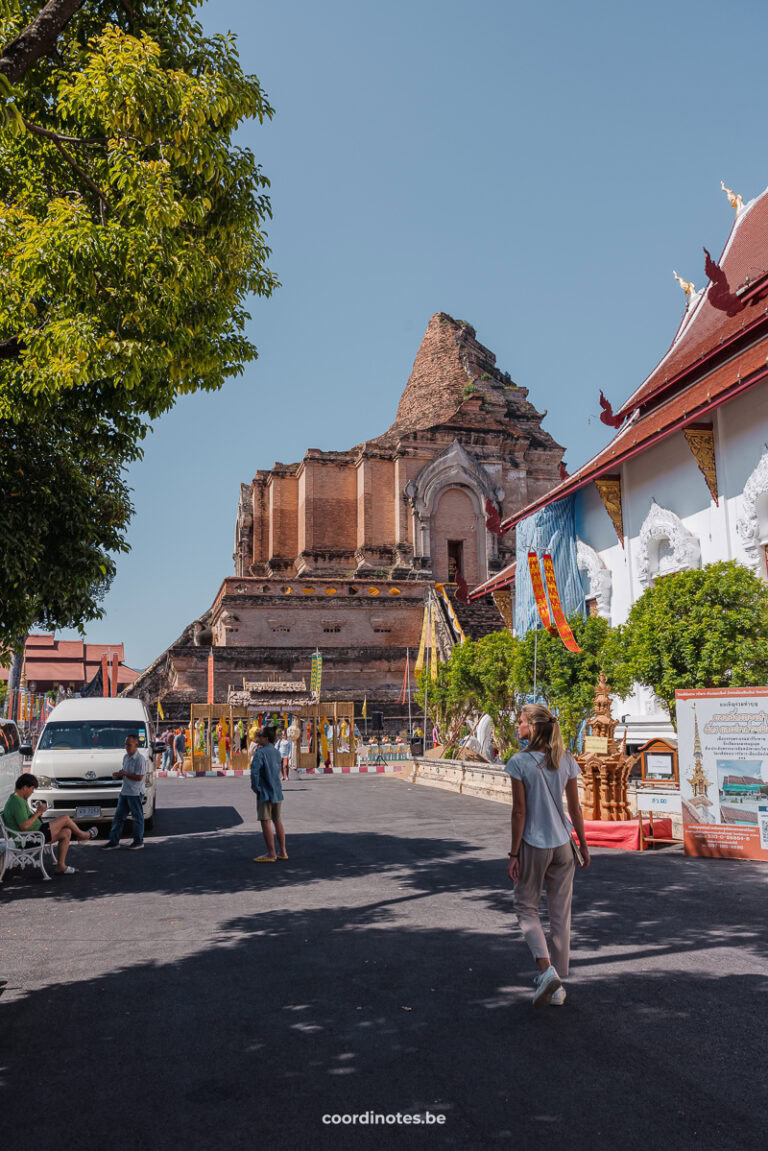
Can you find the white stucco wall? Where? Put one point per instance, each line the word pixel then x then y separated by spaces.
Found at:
pixel 668 474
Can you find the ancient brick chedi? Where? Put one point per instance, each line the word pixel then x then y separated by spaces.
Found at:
pixel 338 550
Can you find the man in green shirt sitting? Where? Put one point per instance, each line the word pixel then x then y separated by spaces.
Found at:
pixel 19 816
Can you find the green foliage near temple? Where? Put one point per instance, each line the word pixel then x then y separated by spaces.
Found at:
pixel 131 234
pixel 702 628
pixel 479 677
pixel 496 675
pixel 565 680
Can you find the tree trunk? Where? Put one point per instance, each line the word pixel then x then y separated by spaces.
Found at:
pixel 37 38
pixel 14 678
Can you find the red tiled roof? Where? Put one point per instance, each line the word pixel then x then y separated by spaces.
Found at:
pixel 69 649
pixel 706 329
pixel 43 640
pixel 94 651
pixel 124 674
pixel 683 408
pixel 70 671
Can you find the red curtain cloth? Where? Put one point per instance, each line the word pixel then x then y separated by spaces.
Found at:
pixel 624 835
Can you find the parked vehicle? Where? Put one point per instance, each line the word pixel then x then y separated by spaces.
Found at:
pixel 81 745
pixel 11 765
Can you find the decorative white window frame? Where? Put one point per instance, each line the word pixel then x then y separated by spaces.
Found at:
pixel 663 524
pixel 598 578
pixel 748 529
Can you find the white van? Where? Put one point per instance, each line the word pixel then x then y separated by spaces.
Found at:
pixel 81 745
pixel 11 765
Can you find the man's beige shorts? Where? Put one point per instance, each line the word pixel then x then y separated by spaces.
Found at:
pixel 268 810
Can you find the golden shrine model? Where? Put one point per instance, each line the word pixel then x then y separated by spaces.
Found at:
pixel 605 765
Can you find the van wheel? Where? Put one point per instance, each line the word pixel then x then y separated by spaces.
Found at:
pixel 149 824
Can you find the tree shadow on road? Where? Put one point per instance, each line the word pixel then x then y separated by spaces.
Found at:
pixel 645 903
pixel 291 1015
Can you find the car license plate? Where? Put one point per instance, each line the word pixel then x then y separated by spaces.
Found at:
pixel 87 813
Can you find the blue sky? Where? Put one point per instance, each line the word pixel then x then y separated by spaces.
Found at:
pixel 537 170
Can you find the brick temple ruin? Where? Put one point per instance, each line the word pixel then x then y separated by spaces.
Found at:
pixel 340 550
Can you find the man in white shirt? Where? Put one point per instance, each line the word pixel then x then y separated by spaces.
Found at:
pixel 284 750
pixel 129 801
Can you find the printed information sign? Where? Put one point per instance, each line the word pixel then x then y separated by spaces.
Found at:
pixel 723 756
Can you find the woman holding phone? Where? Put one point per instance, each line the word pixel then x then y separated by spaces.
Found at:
pixel 542 854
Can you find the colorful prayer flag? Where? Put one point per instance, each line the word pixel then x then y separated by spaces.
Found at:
pixel 563 628
pixel 539 594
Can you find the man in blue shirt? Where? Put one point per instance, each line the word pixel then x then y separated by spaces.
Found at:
pixel 265 781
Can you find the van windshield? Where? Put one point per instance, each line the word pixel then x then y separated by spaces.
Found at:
pixel 91 735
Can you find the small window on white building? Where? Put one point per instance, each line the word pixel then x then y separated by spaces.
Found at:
pixel 666 546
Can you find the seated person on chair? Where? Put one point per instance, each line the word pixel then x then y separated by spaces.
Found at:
pixel 19 816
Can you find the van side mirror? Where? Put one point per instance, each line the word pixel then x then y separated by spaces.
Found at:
pixel 158 747
pixel 26 750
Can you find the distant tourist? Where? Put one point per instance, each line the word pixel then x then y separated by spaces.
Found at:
pixel 542 852
pixel 265 781
pixel 284 750
pixel 167 738
pixel 129 801
pixel 179 747
pixel 19 816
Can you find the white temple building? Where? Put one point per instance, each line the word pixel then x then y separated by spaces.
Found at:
pixel 684 481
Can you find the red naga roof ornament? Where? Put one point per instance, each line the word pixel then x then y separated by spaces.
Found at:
pixel 720 295
pixel 606 415
pixel 492 518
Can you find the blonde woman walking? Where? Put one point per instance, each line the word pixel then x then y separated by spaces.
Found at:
pixel 542 854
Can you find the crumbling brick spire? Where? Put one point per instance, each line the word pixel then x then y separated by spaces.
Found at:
pixel 448 360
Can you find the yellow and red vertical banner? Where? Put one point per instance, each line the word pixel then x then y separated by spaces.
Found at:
pixel 561 623
pixel 538 591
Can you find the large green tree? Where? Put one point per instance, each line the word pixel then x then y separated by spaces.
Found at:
pixel 131 235
pixel 496 675
pixel 566 680
pixel 703 628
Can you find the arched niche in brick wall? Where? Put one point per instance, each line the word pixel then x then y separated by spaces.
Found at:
pixel 457 483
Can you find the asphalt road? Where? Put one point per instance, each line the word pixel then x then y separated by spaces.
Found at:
pixel 184 997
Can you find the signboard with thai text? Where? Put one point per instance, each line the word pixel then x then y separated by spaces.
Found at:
pixel 723 754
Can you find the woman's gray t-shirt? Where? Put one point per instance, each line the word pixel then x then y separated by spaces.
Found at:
pixel 543 789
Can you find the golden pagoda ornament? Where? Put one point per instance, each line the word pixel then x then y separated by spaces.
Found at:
pixel 604 763
pixel 700 785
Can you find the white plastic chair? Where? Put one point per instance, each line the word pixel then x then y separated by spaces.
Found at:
pixel 23 849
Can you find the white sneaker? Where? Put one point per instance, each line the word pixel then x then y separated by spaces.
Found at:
pixel 547 983
pixel 558 997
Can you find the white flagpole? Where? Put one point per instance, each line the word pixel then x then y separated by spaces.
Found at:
pixel 535 658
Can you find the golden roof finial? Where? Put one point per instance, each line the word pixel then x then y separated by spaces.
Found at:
pixel 688 286
pixel 734 199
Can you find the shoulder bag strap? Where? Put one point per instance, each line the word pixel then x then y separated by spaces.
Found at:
pixel 561 817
